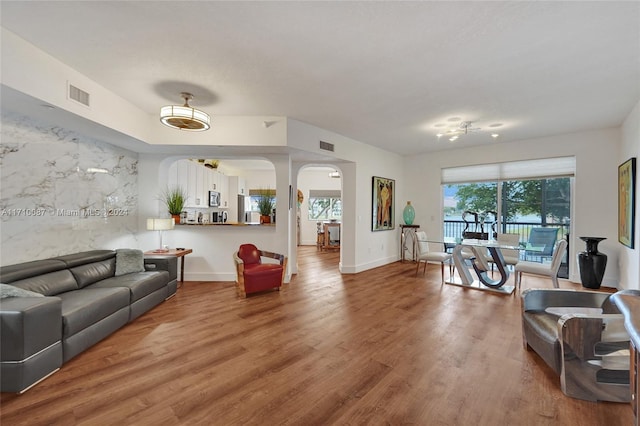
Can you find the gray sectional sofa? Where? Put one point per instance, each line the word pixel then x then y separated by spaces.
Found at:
pixel 53 309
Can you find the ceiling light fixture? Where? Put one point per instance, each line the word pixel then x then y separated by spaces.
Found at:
pixel 461 128
pixel 185 117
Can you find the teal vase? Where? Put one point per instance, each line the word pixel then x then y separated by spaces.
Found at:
pixel 408 214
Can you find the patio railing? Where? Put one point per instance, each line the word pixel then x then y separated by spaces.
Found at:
pixel 453 229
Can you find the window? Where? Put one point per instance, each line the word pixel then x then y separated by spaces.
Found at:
pixel 325 205
pixel 256 194
pixel 524 194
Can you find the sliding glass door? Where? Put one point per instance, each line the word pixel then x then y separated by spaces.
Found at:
pixel 511 206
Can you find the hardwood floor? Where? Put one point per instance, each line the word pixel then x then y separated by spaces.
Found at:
pixel 379 347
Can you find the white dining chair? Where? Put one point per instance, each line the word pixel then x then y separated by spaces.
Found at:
pixel 511 256
pixel 545 269
pixel 426 255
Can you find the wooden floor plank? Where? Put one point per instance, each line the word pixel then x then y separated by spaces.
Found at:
pixel 380 347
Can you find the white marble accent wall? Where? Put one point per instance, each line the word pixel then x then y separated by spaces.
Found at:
pixel 52 202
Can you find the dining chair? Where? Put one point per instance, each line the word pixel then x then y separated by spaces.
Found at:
pixel 545 269
pixel 510 256
pixel 426 255
pixel 541 240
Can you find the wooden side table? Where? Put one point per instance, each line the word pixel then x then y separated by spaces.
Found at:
pixel 179 253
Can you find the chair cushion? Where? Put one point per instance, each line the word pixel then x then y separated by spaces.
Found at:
pixel 249 254
pixel 533 268
pixel 262 277
pixel 435 256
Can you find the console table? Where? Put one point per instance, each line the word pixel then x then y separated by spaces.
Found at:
pixel 179 253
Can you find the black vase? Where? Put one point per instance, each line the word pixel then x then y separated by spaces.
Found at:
pixel 592 263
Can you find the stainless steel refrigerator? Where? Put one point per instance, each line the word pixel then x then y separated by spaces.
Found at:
pixel 244 209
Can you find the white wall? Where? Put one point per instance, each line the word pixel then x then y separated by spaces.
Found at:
pixel 630 258
pixel 595 191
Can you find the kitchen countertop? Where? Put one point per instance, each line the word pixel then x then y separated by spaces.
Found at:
pixel 628 301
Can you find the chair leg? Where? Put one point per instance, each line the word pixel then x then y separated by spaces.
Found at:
pixel 556 284
pixel 442 272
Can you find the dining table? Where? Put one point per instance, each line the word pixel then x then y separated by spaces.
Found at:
pixel 475 252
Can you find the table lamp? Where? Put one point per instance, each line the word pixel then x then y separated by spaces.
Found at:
pixel 159 224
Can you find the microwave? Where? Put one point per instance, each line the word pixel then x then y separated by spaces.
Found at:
pixel 214 199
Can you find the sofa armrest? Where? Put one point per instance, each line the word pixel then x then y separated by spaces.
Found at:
pixel 540 299
pixel 595 357
pixel 162 263
pixel 29 325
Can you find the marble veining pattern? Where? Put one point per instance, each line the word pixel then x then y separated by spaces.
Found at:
pixel 50 201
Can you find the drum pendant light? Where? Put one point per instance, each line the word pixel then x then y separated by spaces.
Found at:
pixel 185 117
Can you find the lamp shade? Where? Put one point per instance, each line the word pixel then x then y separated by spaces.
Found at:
pixel 158 224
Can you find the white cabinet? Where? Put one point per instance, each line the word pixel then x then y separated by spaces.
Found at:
pixel 223 182
pixel 237 185
pixel 198 180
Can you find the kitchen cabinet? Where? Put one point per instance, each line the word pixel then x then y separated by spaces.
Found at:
pixel 197 181
pixel 237 185
pixel 224 190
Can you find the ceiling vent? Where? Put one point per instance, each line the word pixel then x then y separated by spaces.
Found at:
pixel 78 95
pixel 327 146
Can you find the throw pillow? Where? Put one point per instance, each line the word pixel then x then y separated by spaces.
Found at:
pixel 7 290
pixel 129 261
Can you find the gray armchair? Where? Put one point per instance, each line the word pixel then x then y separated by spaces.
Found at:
pixel 581 336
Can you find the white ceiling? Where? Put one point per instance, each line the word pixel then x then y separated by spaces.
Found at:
pixel 383 73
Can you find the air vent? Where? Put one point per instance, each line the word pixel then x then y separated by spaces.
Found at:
pixel 327 146
pixel 78 95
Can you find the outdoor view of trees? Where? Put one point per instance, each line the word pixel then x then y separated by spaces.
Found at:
pixel 547 199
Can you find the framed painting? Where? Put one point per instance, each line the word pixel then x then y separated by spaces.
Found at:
pixel 627 202
pixel 383 211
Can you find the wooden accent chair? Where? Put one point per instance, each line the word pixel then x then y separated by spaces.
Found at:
pixel 253 275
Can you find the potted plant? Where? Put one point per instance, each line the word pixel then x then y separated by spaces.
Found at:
pixel 175 198
pixel 266 203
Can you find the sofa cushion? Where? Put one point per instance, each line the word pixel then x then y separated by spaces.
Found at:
pixel 20 271
pixel 82 258
pixel 129 261
pixel 50 284
pixel 140 284
pixel 93 272
pixel 7 290
pixel 82 308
